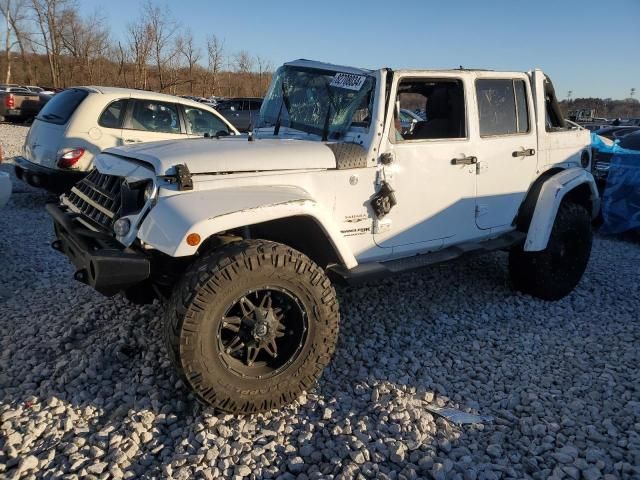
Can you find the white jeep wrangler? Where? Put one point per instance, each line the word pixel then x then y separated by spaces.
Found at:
pixel 241 235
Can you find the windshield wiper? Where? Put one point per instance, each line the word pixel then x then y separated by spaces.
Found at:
pixel 285 102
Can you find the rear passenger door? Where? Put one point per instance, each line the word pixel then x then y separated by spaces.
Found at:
pixel 506 149
pixel 151 120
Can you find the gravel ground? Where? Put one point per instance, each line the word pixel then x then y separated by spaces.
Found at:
pixel 87 391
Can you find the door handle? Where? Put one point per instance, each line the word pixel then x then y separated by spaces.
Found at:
pixel 132 140
pixel 525 152
pixel 464 161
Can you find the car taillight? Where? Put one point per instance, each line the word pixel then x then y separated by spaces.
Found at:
pixel 70 158
pixel 9 101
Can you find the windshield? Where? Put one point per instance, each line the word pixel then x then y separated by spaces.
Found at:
pixel 321 102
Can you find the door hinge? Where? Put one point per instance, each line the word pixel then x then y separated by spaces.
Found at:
pixel 481 210
pixel 481 167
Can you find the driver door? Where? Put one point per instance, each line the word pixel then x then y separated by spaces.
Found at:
pixel 431 171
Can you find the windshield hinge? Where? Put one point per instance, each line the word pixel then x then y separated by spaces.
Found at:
pixel 183 176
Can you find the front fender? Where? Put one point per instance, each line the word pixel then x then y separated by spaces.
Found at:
pixel 551 194
pixel 213 211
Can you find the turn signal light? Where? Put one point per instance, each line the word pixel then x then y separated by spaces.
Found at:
pixel 193 239
pixel 70 158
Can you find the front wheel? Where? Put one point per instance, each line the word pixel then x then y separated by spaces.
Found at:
pixel 252 325
pixel 554 272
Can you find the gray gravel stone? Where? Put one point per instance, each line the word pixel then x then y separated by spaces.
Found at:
pixel 87 389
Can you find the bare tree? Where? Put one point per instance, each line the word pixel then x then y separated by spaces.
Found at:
pixel 122 56
pixel 215 54
pixel 14 13
pixel 140 44
pixel 191 53
pixel 86 40
pixel 243 66
pixel 243 62
pixel 161 28
pixel 50 16
pixel 265 67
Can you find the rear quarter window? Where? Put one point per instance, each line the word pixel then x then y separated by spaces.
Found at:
pixel 59 109
pixel 113 115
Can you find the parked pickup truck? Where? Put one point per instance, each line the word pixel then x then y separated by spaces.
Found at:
pixel 18 103
pixel 243 236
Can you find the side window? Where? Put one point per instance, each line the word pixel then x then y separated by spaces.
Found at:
pixel 255 104
pixel 113 115
pixel 153 116
pixel 502 106
pixel 522 109
pixel 443 102
pixel 201 122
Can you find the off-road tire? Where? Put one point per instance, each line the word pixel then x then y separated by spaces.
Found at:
pixel 197 307
pixel 554 272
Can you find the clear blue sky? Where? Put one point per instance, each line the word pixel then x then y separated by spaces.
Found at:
pixel 590 47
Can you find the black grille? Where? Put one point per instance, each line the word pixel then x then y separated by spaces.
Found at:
pixel 96 199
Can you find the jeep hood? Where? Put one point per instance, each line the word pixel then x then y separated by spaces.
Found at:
pixel 228 154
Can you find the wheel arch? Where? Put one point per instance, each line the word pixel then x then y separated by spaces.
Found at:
pixel 301 232
pixel 538 211
pixel 271 213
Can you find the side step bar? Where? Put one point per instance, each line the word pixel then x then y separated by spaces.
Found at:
pixel 375 270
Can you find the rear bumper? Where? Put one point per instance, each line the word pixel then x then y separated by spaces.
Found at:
pixel 100 261
pixel 56 181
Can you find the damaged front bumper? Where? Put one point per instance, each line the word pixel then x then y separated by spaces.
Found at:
pixel 100 261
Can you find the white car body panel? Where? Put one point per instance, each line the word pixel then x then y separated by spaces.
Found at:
pixel 549 199
pixel 212 211
pixel 5 188
pixel 231 154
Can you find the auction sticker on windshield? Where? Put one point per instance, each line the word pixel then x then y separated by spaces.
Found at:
pixel 348 80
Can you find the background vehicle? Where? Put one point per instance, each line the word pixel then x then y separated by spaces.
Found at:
pixel 632 121
pixel 613 133
pixel 78 123
pixel 18 103
pixel 584 115
pixel 243 235
pixel 241 112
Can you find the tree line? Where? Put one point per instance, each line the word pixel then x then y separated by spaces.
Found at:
pixel 47 42
pixel 604 107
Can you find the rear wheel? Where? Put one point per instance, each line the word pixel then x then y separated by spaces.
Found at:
pixel 555 271
pixel 252 325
